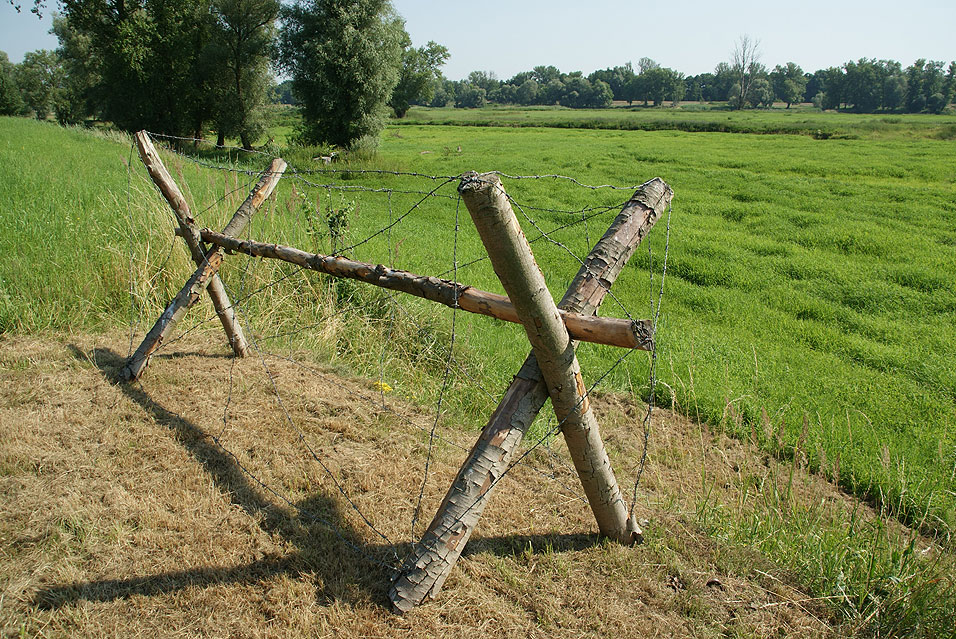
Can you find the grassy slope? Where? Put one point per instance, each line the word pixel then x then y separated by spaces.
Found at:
pixel 166 529
pixel 787 291
pixel 808 278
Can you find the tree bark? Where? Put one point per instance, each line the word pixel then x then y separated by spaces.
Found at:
pixel 194 287
pixel 433 558
pixel 172 194
pixel 600 330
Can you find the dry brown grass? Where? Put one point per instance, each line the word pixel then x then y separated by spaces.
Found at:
pixel 121 516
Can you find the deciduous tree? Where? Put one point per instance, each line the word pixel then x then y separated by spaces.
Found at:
pixel 10 101
pixel 416 82
pixel 789 83
pixel 39 77
pixel 238 57
pixel 745 64
pixel 344 57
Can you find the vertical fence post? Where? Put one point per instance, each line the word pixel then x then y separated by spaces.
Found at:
pixel 514 264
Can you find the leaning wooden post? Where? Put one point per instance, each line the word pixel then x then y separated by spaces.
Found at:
pixel 432 559
pixel 521 278
pixel 201 279
pixel 220 300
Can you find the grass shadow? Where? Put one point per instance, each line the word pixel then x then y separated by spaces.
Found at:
pixel 329 550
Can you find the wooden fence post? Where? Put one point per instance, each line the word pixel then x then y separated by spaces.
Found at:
pixel 514 264
pixel 432 559
pixel 217 292
pixel 202 278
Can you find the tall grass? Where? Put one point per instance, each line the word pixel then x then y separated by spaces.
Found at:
pixel 809 303
pixel 807 278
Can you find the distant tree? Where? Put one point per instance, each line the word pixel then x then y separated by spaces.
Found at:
pixel 637 89
pixel 344 58
pixel 504 94
pixel 832 81
pixel 545 74
pixel 646 64
pixel 950 90
pixel 81 75
pixel 521 77
pixel 10 101
pixel 723 81
pixel 863 84
pixel 745 65
pixel 239 53
pixel 693 88
pixel 470 96
pixel 657 85
pixel 486 80
pixel 551 92
pixel 707 89
pixel 934 86
pixel 416 82
pixel 894 90
pixel 926 86
pixel 814 86
pixel 761 93
pixel 789 83
pixel 282 93
pixel 617 78
pixel 39 77
pixel 445 92
pixel 527 92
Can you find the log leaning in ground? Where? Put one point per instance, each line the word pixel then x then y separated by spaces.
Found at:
pixel 201 279
pixel 600 330
pixel 431 560
pixel 187 225
pixel 514 263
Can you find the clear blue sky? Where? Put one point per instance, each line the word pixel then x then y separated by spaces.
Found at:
pixel 690 36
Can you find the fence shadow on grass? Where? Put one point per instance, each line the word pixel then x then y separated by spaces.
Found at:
pixel 330 551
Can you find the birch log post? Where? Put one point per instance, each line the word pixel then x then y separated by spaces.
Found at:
pixel 433 558
pixel 217 292
pixel 611 331
pixel 200 280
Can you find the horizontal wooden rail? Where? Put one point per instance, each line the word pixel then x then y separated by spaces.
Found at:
pixel 599 330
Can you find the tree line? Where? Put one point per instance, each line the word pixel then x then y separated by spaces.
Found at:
pixel 184 67
pixel 863 86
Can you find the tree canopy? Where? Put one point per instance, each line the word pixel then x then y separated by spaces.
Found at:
pixel 344 57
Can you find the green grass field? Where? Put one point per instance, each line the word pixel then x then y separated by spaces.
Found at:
pixel 700 118
pixel 810 280
pixel 810 300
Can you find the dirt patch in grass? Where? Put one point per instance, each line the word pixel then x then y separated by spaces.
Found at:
pixel 131 510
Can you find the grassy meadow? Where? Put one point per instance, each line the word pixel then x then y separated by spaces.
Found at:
pixel 809 305
pixel 699 118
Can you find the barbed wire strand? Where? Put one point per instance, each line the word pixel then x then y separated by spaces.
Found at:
pixel 433 434
pixel 652 374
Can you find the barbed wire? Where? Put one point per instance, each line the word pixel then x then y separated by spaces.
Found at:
pixel 241 296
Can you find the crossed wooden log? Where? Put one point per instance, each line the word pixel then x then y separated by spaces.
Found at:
pixel 550 370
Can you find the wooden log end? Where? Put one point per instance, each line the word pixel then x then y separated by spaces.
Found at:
pixel 643 334
pixel 634 534
pixel 655 194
